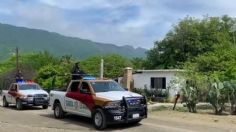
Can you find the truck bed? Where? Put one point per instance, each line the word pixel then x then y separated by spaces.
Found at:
pixel 57 95
pixel 4 92
pixel 60 89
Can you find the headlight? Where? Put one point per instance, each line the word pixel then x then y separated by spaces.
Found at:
pixel 23 97
pixel 46 98
pixel 113 104
pixel 26 96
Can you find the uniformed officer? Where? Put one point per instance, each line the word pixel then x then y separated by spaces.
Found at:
pixel 76 72
pixel 19 76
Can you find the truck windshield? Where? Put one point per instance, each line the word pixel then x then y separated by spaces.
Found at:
pixel 106 86
pixel 29 87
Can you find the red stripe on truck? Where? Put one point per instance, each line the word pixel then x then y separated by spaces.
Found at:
pixel 86 99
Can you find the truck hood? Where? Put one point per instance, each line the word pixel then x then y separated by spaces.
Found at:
pixel 117 95
pixel 32 92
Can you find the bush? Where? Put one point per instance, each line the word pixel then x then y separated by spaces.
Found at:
pixel 143 92
pixel 153 95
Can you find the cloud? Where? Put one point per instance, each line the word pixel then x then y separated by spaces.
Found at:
pixel 122 22
pixel 5 11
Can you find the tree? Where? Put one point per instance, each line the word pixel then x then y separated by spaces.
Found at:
pixel 189 39
pixel 113 65
pixel 206 50
pixel 53 76
pixel 38 60
pixel 29 65
pixel 211 66
pixel 138 63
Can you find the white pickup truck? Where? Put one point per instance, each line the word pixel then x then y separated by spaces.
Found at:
pixel 105 101
pixel 25 93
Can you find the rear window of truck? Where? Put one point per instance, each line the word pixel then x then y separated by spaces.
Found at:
pixel 106 86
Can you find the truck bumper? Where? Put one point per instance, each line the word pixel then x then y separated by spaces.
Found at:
pixel 35 102
pixel 125 116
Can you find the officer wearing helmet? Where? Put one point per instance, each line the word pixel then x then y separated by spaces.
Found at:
pixel 76 72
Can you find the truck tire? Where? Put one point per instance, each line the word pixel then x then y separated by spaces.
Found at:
pixel 19 105
pixel 45 106
pixel 4 102
pixel 58 111
pixel 99 119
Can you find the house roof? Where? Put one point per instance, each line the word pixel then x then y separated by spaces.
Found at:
pixel 159 70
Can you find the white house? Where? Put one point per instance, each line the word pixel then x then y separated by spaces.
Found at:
pixel 156 79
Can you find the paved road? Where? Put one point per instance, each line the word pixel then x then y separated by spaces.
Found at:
pixel 38 120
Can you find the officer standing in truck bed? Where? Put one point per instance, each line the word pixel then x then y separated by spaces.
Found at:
pixel 76 72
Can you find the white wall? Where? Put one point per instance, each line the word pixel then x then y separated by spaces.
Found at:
pixel 142 79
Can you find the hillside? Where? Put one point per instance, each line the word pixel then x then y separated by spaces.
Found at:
pixel 34 40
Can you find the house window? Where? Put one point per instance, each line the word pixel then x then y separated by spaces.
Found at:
pixel 158 82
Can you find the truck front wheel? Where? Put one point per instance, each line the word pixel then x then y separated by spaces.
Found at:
pixel 4 102
pixel 99 119
pixel 45 106
pixel 58 111
pixel 19 105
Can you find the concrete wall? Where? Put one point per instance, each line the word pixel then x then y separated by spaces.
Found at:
pixel 142 80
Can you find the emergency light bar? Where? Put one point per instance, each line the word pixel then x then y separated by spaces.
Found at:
pixel 20 81
pixel 89 78
pixel 24 81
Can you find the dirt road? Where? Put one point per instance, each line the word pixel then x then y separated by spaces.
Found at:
pixel 39 120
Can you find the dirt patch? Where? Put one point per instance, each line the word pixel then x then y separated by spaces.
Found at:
pixel 36 119
pixel 201 118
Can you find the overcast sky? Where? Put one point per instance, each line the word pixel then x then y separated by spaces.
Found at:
pixel 122 22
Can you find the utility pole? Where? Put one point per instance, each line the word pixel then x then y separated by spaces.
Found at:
pixel 101 69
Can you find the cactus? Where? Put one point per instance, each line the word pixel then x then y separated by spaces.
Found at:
pixel 233 99
pixel 190 94
pixel 231 96
pixel 216 98
pixel 221 93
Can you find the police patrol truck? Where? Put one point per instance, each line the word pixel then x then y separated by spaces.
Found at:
pixel 24 93
pixel 105 101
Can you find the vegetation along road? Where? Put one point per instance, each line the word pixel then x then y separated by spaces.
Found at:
pixel 36 120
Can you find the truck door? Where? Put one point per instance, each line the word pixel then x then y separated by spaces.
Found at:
pixel 86 100
pixel 8 95
pixel 72 96
pixel 12 93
